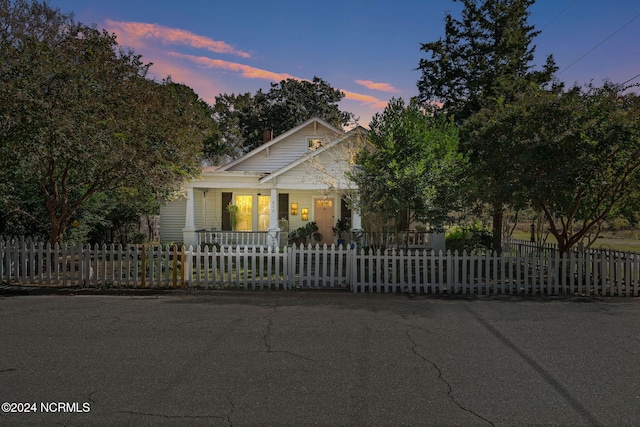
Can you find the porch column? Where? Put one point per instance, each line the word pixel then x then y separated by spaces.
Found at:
pixel 273 235
pixel 356 228
pixel 189 230
pixel 356 220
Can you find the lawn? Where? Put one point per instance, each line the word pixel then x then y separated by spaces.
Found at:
pixel 626 241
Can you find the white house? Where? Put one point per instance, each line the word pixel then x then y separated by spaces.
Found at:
pixel 298 176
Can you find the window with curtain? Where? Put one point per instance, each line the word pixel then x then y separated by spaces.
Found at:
pixel 245 208
pixel 264 213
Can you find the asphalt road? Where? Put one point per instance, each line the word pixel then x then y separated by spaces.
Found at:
pixel 315 358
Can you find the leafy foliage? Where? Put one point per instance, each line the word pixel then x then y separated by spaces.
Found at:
pixel 484 59
pixel 573 155
pixel 468 238
pixel 305 234
pixel 79 116
pixel 241 119
pixel 485 56
pixel 409 166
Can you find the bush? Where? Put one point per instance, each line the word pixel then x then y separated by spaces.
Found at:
pixel 304 234
pixel 471 237
pixel 619 224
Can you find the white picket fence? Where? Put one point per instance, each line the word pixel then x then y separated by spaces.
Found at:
pixel 412 271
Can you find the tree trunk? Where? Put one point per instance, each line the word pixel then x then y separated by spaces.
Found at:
pixel 56 234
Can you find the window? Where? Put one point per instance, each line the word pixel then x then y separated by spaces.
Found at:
pixel 264 212
pixel 227 199
pixel 314 143
pixel 245 207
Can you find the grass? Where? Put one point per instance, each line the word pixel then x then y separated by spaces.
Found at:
pixel 626 241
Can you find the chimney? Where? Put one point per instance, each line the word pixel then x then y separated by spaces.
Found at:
pixel 267 135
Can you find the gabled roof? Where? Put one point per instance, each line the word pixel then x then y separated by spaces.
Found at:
pixel 312 154
pixel 277 139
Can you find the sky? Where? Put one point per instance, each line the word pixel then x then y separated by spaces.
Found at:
pixel 368 49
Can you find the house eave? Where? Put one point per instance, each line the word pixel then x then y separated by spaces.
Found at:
pixel 274 141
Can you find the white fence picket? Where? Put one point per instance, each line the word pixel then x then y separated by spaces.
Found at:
pixel 515 271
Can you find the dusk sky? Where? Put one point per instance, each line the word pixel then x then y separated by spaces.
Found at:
pixel 368 49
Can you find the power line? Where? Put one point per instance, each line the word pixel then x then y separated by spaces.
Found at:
pixel 559 13
pixel 632 78
pixel 600 44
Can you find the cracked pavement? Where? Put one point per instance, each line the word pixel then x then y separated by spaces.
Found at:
pixel 321 358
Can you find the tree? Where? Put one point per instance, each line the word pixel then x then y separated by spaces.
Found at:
pixel 243 118
pixel 407 171
pixel 574 155
pixel 114 217
pixel 79 116
pixel 485 58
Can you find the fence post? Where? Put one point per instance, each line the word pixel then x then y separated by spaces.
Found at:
pixel 186 261
pixel 2 254
pixel 352 267
pixel 175 266
pixel 143 267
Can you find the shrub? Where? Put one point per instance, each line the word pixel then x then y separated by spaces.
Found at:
pixel 471 237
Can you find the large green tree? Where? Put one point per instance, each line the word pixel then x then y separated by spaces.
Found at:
pixel 242 119
pixel 80 117
pixel 485 58
pixel 409 167
pixel 575 155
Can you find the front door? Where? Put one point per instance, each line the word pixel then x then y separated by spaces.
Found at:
pixel 324 218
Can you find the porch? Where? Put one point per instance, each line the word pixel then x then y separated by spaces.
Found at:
pixel 258 217
pixel 240 238
pixel 407 239
pixel 404 239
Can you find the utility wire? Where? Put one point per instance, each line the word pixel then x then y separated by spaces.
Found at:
pixel 559 13
pixel 632 78
pixel 600 44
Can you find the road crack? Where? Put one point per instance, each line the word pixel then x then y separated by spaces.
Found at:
pixel 233 407
pixel 267 330
pixel 267 335
pixel 441 378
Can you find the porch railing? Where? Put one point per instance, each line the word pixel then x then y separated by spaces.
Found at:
pixel 239 238
pixel 403 239
pixel 411 239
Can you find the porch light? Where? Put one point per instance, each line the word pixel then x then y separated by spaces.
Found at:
pixel 294 209
pixel 305 214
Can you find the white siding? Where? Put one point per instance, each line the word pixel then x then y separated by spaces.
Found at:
pixel 308 180
pixel 172 216
pixel 285 151
pixel 208 210
pixel 326 170
pixel 306 199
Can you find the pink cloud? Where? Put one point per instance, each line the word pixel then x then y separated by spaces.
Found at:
pixel 365 99
pixel 244 70
pixel 258 73
pixel 133 34
pixel 384 87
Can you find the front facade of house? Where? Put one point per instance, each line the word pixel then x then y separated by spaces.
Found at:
pixel 295 178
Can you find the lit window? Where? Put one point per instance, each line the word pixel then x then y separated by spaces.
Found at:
pixel 264 215
pixel 245 207
pixel 314 143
